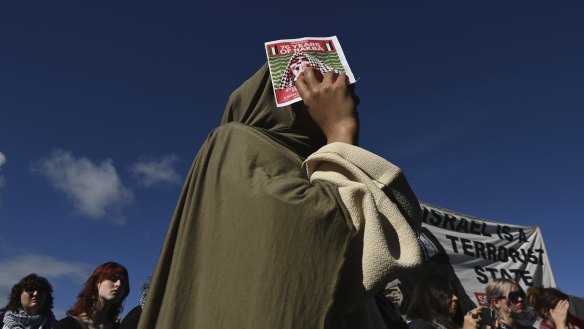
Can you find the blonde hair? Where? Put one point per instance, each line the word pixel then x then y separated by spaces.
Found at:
pixel 499 288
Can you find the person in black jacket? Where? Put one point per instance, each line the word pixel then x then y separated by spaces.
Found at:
pixel 131 319
pixel 99 303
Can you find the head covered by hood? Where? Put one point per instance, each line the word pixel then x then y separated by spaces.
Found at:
pixel 253 104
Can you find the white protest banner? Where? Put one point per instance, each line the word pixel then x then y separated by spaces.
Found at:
pixel 481 250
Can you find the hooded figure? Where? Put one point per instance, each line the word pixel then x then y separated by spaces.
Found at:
pixel 264 238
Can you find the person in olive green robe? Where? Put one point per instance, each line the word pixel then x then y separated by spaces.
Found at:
pixel 264 238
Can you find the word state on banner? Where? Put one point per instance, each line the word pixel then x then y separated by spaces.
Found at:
pixel 480 250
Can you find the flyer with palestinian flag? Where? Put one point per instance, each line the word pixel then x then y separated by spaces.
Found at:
pixel 288 58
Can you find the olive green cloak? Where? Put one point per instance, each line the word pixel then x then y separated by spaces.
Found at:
pixel 253 243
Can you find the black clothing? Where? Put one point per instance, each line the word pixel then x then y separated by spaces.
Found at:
pixel 131 319
pixel 72 323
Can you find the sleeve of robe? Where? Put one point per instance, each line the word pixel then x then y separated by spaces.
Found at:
pixel 385 213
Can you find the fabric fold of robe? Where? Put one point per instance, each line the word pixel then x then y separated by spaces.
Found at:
pixel 380 204
pixel 253 243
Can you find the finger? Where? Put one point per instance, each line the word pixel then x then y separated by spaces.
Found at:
pixel 302 88
pixel 329 79
pixel 318 74
pixel 310 77
pixel 342 79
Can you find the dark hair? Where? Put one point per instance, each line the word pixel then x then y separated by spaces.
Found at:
pixel 532 294
pixel 546 298
pixel 89 293
pixel 431 300
pixel 31 282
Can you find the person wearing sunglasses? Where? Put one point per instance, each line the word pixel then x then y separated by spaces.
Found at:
pixel 508 301
pixel 29 305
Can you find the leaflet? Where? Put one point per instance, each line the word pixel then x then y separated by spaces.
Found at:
pixel 288 58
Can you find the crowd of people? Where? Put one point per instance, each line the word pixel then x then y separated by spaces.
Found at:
pixel 285 222
pixel 98 305
pixel 434 305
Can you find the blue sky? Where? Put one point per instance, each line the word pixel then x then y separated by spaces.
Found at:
pixel 103 106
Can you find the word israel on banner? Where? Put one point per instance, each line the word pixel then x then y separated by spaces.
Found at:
pixel 481 250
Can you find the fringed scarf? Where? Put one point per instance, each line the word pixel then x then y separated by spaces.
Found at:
pixel 22 320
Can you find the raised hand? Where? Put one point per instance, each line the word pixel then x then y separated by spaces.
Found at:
pixel 559 314
pixel 331 105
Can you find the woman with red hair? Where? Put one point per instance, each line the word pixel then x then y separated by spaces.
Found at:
pixel 99 303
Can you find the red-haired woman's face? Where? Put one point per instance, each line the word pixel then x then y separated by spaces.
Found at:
pixel 112 289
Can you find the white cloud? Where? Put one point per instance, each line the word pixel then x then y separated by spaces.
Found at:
pixel 14 269
pixel 95 189
pixel 156 172
pixel 2 179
